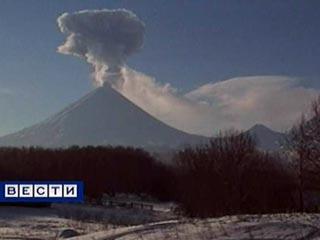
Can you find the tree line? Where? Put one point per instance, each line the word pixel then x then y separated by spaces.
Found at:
pixel 107 169
pixel 231 176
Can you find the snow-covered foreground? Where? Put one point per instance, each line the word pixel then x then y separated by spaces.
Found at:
pixel 38 223
pixel 46 223
pixel 278 226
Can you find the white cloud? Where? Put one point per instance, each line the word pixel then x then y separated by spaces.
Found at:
pixel 275 101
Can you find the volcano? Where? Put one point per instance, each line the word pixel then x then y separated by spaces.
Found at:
pixel 102 117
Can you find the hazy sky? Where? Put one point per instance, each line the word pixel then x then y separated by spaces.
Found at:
pixel 187 44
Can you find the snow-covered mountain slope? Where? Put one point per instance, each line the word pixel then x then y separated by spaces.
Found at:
pixel 103 117
pixel 266 138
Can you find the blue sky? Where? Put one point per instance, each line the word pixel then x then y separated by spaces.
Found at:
pixel 187 43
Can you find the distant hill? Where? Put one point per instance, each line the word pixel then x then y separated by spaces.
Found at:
pixel 266 138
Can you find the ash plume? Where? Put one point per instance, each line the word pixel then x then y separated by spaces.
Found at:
pixel 104 38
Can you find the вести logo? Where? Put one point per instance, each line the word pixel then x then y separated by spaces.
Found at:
pixel 39 191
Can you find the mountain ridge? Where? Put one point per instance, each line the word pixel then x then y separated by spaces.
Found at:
pixel 266 138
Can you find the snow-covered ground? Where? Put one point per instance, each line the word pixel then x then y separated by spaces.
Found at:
pixel 278 226
pixel 46 223
pixel 39 223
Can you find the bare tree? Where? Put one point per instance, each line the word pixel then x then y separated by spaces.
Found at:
pixel 304 141
pixel 231 176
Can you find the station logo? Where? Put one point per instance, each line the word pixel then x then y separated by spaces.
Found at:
pixel 26 191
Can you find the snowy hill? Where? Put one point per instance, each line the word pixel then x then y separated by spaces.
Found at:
pixel 266 138
pixel 103 117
